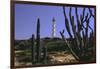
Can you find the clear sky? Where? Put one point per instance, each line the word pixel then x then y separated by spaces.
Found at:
pixel 26 16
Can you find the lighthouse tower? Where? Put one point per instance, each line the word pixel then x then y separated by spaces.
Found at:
pixel 53 27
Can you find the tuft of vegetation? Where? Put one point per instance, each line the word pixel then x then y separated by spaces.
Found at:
pixel 56 46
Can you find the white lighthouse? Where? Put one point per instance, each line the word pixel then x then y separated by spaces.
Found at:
pixel 53 27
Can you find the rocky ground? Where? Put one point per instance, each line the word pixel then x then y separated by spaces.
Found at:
pixel 54 58
pixel 62 57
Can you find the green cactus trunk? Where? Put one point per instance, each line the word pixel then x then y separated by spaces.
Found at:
pixel 38 41
pixel 33 50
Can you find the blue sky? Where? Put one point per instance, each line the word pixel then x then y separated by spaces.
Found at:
pixel 26 16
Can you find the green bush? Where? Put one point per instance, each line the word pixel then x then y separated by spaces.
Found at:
pixel 56 46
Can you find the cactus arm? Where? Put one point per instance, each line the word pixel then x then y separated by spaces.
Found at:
pixel 83 14
pixel 72 52
pixel 67 23
pixel 75 33
pixel 91 12
pixel 77 18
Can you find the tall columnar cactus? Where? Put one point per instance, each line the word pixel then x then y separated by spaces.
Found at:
pixel 38 41
pixel 80 42
pixel 33 49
